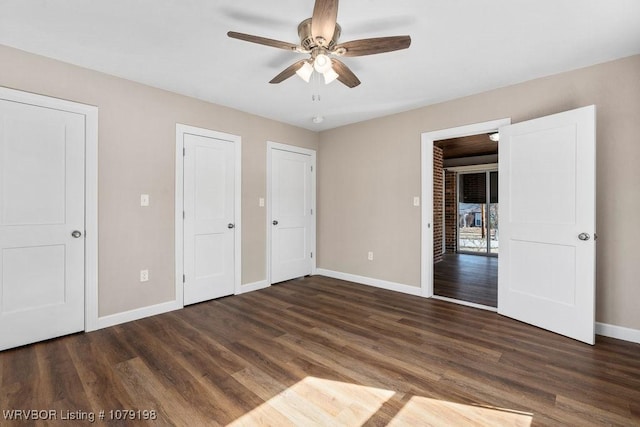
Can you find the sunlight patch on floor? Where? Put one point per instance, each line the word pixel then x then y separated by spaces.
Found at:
pixel 317 401
pixel 320 402
pixel 424 411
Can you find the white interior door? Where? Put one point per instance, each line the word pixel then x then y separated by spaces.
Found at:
pixel 41 223
pixel 546 274
pixel 209 212
pixel 291 215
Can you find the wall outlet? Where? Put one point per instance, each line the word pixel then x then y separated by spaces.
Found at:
pixel 144 200
pixel 144 275
pixel 261 202
pixel 416 201
pixel 370 256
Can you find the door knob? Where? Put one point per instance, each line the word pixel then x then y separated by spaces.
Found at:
pixel 76 234
pixel 584 236
pixel 275 222
pixel 230 225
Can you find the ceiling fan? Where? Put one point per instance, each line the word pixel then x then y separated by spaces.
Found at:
pixel 319 37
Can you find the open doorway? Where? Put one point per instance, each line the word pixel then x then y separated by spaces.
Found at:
pixel 465 213
pixel 546 271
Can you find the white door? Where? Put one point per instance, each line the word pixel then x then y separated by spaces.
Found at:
pixel 41 223
pixel 291 215
pixel 546 274
pixel 209 212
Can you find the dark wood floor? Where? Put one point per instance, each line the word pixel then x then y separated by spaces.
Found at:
pixel 320 351
pixel 472 278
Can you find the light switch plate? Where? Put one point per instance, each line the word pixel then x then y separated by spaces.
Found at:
pixel 144 200
pixel 416 201
pixel 261 202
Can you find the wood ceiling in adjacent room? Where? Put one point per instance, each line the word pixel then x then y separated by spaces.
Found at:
pixel 467 146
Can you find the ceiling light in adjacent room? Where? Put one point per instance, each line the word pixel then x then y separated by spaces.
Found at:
pixel 495 137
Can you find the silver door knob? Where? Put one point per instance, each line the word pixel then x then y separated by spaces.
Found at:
pixel 584 236
pixel 76 234
pixel 275 222
pixel 230 225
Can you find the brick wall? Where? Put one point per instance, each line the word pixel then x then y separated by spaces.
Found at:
pixel 438 212
pixel 451 212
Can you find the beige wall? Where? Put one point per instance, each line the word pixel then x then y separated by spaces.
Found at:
pixel 137 155
pixel 368 174
pixel 370 171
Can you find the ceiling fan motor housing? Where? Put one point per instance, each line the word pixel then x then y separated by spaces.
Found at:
pixel 308 42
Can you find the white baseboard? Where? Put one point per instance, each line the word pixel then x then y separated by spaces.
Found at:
pixel 383 284
pixel 619 332
pixel 604 329
pixel 141 313
pixel 138 313
pixel 255 286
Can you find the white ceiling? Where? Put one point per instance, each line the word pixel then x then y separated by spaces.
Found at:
pixel 459 47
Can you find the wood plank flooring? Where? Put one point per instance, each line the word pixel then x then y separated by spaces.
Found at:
pixel 320 351
pixel 471 278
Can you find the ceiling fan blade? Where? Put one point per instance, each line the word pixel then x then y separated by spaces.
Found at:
pixel 323 21
pixel 288 72
pixel 373 46
pixel 263 41
pixel 345 75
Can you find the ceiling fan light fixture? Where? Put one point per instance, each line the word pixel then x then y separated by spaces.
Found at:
pixel 305 72
pixel 320 37
pixel 322 63
pixel 329 76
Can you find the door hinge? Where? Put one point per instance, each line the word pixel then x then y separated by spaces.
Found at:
pixel 184 151
pixel 184 278
pixel 311 254
pixel 184 215
pixel 311 168
pixel 311 211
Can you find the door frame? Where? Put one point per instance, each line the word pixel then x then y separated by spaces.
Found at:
pixel 427 143
pixel 90 113
pixel 181 130
pixel 294 149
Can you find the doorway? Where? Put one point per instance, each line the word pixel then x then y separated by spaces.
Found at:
pixel 547 267
pixel 466 208
pixel 439 232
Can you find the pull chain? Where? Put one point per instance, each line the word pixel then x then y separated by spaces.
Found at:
pixel 316 98
pixel 315 87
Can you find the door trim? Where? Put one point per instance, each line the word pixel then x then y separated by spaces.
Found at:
pixel 427 140
pixel 292 148
pixel 181 130
pixel 90 112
